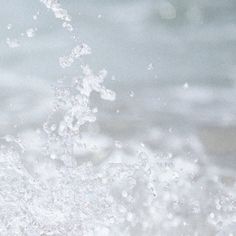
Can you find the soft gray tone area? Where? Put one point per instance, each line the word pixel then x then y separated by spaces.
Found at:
pixel 177 57
pixel 172 65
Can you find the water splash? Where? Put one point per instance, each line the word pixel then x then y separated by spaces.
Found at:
pixel 12 43
pixel 31 32
pixel 59 12
pixel 140 194
pixel 149 196
pixel 76 52
pixel 72 105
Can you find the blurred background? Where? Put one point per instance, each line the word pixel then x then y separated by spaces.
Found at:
pixel 172 64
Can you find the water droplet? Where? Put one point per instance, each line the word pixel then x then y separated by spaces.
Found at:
pixel 130 217
pixel 53 156
pixel 142 145
pixel 185 86
pixel 124 194
pixel 112 220
pixel 150 66
pixel 30 32
pixel 9 26
pixel 131 94
pixel 53 127
pixel 212 215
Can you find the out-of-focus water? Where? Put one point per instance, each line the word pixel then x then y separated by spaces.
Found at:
pixel 172 65
pixel 176 58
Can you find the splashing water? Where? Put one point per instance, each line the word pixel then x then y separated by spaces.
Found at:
pixel 59 12
pixel 141 194
pixel 12 43
pixel 76 52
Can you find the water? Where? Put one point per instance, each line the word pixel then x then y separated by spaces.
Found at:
pixel 157 158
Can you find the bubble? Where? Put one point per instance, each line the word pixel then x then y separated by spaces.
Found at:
pixel 212 215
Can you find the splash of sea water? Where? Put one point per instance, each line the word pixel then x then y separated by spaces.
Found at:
pixel 143 195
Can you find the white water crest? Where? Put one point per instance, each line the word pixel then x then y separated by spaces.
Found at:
pixel 80 183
